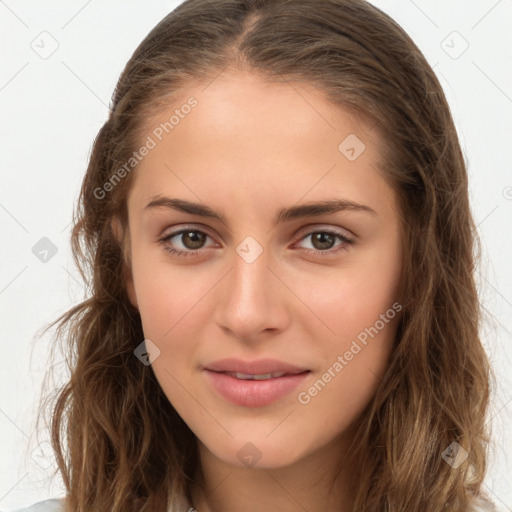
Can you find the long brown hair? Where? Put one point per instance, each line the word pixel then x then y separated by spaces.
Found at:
pixel 118 440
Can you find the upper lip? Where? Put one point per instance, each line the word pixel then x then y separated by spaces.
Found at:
pixel 259 367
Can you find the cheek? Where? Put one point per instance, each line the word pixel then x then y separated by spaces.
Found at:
pixel 358 305
pixel 353 367
pixel 167 294
pixel 169 302
pixel 350 300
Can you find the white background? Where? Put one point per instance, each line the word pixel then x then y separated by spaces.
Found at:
pixel 51 110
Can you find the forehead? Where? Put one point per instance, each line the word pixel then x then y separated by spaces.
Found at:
pixel 244 136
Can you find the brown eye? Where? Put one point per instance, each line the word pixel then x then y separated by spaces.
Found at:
pixel 192 239
pixel 185 242
pixel 323 240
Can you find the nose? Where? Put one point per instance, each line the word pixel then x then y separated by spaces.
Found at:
pixel 252 301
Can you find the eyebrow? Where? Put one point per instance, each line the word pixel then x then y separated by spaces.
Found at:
pixel 285 214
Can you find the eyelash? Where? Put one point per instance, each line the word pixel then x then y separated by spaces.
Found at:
pixel 195 253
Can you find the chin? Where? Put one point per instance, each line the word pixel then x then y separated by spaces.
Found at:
pixel 253 452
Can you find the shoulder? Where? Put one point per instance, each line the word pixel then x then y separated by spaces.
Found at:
pixel 54 505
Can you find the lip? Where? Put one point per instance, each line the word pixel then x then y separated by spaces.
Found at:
pixel 253 393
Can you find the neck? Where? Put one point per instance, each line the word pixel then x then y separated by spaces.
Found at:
pixel 322 481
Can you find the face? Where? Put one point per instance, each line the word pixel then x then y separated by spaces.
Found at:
pixel 273 320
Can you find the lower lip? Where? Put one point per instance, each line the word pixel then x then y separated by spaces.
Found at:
pixel 254 393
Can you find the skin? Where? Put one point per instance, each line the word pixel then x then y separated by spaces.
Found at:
pixel 250 148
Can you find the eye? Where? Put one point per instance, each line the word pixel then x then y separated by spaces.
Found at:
pixel 191 240
pixel 323 242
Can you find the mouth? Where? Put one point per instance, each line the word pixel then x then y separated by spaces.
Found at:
pixel 256 383
pixel 261 376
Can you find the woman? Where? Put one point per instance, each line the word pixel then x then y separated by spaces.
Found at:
pixel 283 313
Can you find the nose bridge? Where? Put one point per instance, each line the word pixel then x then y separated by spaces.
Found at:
pixel 249 280
pixel 249 302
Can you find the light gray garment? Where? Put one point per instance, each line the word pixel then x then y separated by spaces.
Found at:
pixel 57 505
pixel 54 505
